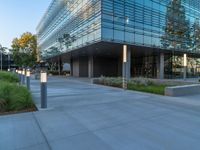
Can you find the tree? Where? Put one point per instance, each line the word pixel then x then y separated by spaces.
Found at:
pixel 24 50
pixel 53 51
pixel 196 36
pixel 177 29
pixel 4 49
pixel 66 40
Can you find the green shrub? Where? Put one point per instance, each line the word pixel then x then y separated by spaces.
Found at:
pixel 3 104
pixel 53 72
pixel 137 84
pixel 20 98
pixel 14 97
pixel 142 81
pixel 115 82
pixel 8 77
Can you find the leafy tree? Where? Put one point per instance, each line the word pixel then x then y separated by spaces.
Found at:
pixel 196 36
pixel 66 40
pixel 24 50
pixel 177 62
pixel 177 29
pixel 4 49
pixel 53 51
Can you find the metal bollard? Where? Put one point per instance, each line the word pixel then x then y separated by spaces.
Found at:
pixel 20 76
pixel 43 80
pixel 28 74
pixel 23 76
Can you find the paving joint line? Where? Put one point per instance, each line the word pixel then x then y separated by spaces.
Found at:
pixel 38 124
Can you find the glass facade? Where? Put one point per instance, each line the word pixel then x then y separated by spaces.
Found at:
pixel 164 24
pixel 65 20
pixel 147 66
pixel 174 66
pixel 171 26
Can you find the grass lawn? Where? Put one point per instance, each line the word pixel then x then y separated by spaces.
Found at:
pixel 155 89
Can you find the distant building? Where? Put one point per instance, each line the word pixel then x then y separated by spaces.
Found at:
pixel 7 62
pixel 94 36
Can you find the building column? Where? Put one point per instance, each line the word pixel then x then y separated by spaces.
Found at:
pixel 126 66
pixel 90 67
pixel 161 66
pixel 76 66
pixel 59 65
pixel 71 67
pixel 158 66
pixel 185 66
pixel 119 66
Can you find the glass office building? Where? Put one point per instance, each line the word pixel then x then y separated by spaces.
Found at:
pixel 90 34
pixel 70 24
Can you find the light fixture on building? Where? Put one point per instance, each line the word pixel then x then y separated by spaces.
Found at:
pixel 124 77
pixel 125 53
pixel 185 66
pixel 127 20
pixel 185 60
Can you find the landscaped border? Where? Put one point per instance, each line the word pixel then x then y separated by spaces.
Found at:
pixel 147 85
pixel 14 98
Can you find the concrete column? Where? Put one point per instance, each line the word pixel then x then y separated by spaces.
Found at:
pixel 128 64
pixel 185 66
pixel 126 67
pixel 90 67
pixel 162 65
pixel 119 66
pixel 184 73
pixel 75 67
pixel 58 65
pixel 71 67
pixel 124 64
pixel 158 66
pixel 124 70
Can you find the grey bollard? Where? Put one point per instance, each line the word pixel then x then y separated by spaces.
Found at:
pixel 28 74
pixel 43 79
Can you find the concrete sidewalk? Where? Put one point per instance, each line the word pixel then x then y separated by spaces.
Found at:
pixel 82 116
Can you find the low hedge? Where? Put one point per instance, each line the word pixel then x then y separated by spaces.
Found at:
pixel 55 73
pixel 137 84
pixel 14 97
pixel 8 77
pixel 109 81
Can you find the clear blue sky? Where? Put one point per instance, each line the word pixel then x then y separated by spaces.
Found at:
pixel 19 16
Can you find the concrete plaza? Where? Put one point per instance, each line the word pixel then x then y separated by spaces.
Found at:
pixel 83 116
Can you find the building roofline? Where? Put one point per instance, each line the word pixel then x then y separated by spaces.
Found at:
pixel 47 13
